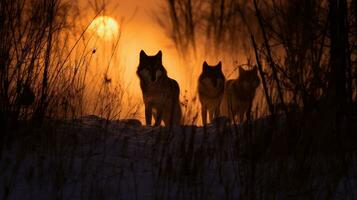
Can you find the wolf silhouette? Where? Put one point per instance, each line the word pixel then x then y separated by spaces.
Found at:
pixel 210 90
pixel 160 93
pixel 239 94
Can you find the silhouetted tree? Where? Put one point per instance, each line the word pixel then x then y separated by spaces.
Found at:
pixel 338 54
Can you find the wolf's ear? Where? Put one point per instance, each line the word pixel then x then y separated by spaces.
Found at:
pixel 142 55
pixel 159 56
pixel 219 65
pixel 205 66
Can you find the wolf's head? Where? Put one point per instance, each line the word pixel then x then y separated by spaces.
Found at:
pixel 249 76
pixel 150 67
pixel 213 73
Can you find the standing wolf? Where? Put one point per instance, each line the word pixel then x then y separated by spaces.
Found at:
pixel 239 94
pixel 160 93
pixel 210 90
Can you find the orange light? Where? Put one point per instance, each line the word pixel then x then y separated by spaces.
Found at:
pixel 105 27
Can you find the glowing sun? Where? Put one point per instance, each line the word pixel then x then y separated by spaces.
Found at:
pixel 105 27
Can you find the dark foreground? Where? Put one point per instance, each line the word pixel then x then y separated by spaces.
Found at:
pixel 91 158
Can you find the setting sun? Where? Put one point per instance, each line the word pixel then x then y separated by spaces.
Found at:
pixel 105 27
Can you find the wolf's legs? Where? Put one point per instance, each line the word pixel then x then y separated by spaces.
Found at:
pixel 148 114
pixel 240 117
pixel 158 118
pixel 204 115
pixel 174 116
pixel 248 112
pixel 231 111
pixel 216 113
pixel 178 115
pixel 231 116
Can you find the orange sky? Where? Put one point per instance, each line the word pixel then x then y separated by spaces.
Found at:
pixel 140 31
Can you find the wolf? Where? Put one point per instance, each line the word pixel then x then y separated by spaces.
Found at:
pixel 239 94
pixel 210 90
pixel 160 93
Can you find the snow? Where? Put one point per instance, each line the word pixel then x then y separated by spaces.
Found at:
pixel 92 158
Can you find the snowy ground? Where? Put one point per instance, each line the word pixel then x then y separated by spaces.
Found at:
pixel 95 159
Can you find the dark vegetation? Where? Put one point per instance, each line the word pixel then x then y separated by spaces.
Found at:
pixel 300 145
